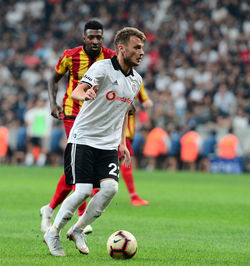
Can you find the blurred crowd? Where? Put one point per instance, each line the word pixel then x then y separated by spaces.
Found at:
pixel 196 69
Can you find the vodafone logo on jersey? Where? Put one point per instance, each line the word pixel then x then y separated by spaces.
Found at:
pixel 110 96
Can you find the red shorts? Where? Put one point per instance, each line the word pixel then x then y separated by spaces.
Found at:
pixel 129 146
pixel 68 124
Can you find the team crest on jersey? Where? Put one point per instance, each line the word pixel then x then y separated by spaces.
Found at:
pixel 134 88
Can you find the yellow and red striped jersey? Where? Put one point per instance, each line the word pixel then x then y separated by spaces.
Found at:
pixel 141 96
pixel 76 62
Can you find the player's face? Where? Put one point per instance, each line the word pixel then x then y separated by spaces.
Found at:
pixel 133 51
pixel 93 41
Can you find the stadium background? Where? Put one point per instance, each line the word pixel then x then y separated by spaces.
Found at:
pixel 193 48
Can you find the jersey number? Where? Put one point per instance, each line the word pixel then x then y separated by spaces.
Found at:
pixel 113 170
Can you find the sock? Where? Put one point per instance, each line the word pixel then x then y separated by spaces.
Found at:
pixel 62 191
pixel 29 159
pixel 50 210
pixel 94 191
pixel 82 208
pixel 127 174
pixel 54 230
pixel 41 160
pixel 70 204
pixel 98 203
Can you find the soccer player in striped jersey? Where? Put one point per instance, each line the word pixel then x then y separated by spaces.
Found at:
pixel 75 62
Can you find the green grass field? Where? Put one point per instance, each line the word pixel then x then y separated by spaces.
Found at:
pixel 193 219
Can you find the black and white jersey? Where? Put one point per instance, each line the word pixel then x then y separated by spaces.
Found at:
pixel 99 122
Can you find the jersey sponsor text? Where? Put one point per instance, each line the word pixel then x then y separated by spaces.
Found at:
pixel 111 96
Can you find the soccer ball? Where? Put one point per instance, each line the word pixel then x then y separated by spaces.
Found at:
pixel 122 245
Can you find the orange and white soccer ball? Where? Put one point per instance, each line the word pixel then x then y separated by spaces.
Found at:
pixel 122 245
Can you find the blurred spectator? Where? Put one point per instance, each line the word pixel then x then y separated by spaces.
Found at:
pixel 190 149
pixel 208 150
pixel 156 145
pixel 177 90
pixel 175 146
pixel 137 146
pixel 228 146
pixel 57 143
pixel 38 122
pixel 21 144
pixel 240 121
pixel 225 101
pixel 12 127
pixel 4 133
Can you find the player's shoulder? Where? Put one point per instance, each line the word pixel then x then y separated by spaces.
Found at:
pixel 103 63
pixel 73 51
pixel 137 76
pixel 108 53
pixel 104 66
pixel 137 79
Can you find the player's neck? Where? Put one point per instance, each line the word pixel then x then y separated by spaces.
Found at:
pixel 125 68
pixel 92 54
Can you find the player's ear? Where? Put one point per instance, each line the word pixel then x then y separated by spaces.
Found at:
pixel 121 48
pixel 83 37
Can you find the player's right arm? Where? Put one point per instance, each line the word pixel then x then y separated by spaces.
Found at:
pixel 56 110
pixel 87 88
pixel 83 92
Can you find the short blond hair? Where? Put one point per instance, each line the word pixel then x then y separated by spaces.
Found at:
pixel 123 36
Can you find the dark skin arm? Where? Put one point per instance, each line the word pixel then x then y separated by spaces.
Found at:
pixel 56 110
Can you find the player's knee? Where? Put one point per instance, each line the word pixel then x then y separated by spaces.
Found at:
pixel 109 188
pixel 83 191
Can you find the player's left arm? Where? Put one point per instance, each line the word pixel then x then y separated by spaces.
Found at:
pixel 147 104
pixel 125 155
pixel 144 98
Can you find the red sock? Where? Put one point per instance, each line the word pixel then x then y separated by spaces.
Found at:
pixel 94 191
pixel 82 208
pixel 62 191
pixel 127 175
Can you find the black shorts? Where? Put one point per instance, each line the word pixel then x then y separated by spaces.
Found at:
pixel 85 164
pixel 36 141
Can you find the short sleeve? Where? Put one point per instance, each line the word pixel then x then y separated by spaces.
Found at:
pixel 62 65
pixel 142 95
pixel 95 74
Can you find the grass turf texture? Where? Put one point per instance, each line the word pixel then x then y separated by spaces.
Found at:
pixel 192 219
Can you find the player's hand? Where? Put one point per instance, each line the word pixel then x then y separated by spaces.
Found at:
pixel 57 112
pixel 90 94
pixel 125 155
pixel 147 104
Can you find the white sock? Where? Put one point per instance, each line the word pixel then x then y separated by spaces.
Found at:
pixel 29 159
pixel 70 204
pixel 41 160
pixel 49 209
pixel 98 203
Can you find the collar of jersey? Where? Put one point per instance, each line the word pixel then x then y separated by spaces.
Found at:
pixel 117 66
